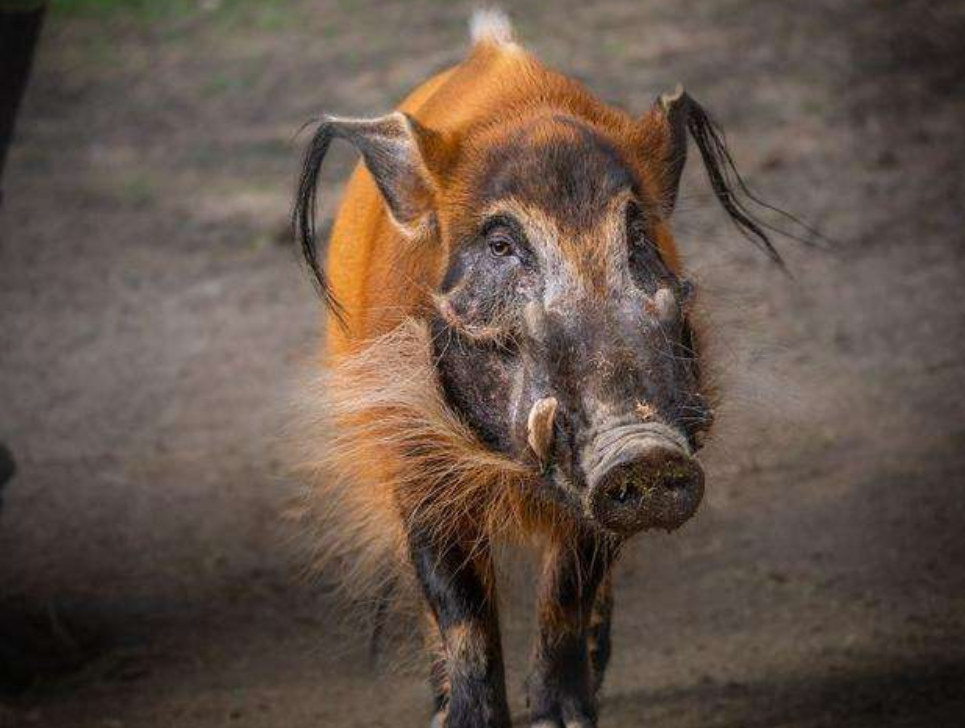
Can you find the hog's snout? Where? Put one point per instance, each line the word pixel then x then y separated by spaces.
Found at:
pixel 642 477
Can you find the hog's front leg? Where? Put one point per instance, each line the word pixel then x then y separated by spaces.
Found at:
pixel 467 673
pixel 574 633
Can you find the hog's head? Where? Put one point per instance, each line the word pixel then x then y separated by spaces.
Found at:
pixel 562 318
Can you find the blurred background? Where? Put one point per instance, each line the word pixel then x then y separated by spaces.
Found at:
pixel 155 321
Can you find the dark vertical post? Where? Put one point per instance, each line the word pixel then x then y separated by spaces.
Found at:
pixel 20 23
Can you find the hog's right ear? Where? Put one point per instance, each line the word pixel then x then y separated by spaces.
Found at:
pixel 398 153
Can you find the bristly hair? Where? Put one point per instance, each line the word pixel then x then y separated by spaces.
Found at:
pixel 303 214
pixel 728 186
pixel 381 454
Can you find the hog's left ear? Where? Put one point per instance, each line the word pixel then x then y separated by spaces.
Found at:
pixel 666 128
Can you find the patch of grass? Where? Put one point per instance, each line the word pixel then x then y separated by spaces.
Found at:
pixel 146 10
pixel 268 13
pixel 224 83
pixel 134 189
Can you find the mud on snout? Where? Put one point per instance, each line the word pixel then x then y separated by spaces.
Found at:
pixel 640 476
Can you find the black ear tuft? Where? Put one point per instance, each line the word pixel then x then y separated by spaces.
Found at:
pixel 303 214
pixel 685 115
pixel 724 178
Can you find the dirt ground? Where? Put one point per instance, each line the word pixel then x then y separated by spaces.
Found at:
pixel 154 321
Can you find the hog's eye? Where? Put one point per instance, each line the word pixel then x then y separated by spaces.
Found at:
pixel 500 244
pixel 504 237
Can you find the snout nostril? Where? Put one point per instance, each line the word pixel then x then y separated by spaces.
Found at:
pixel 624 492
pixel 640 478
pixel 677 478
pixel 661 487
